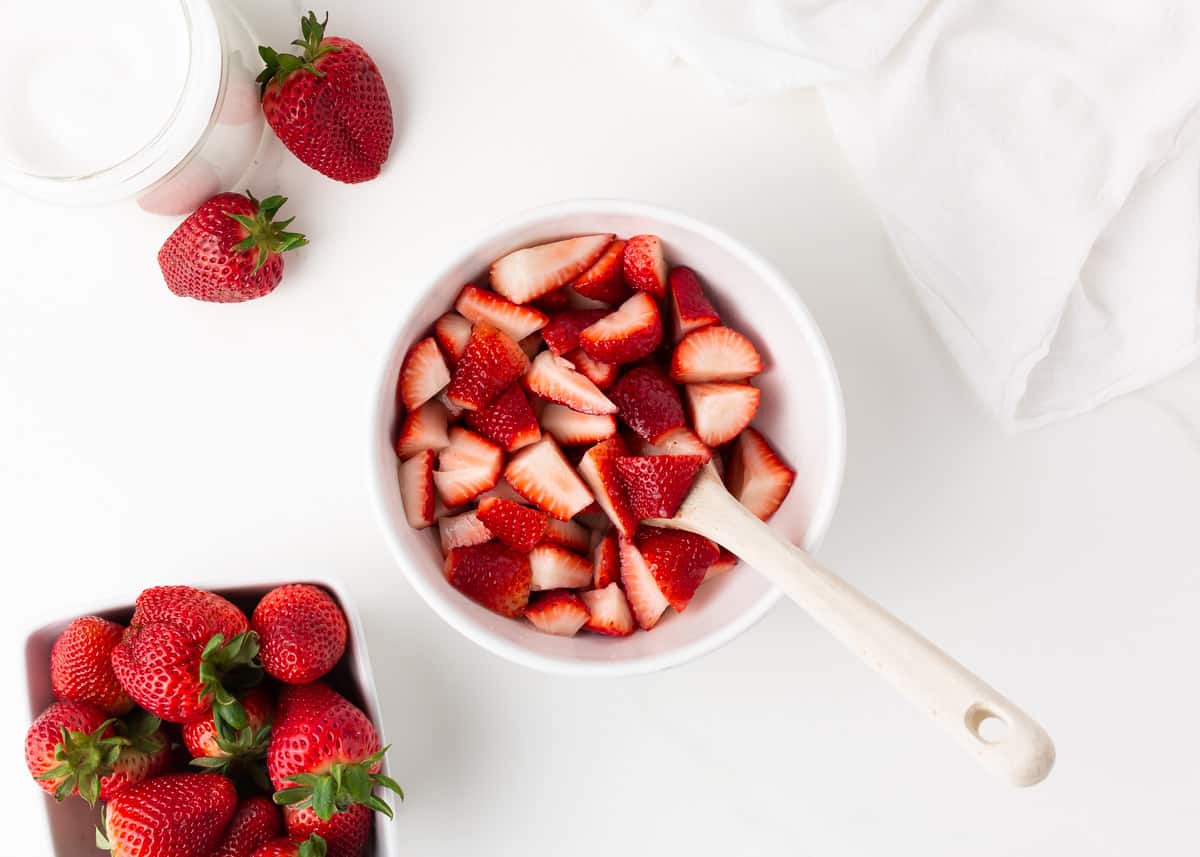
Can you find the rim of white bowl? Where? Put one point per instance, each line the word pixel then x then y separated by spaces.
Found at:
pixel 382 393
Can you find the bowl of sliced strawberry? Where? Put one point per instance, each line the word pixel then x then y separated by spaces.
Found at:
pixel 562 381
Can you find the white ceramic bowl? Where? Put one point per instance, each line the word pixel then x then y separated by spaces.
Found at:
pixel 801 414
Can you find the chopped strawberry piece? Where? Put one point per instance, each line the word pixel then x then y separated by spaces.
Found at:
pixel 645 598
pixel 490 363
pixel 508 421
pixel 626 335
pixel 720 411
pixel 527 274
pixel 462 531
pixel 567 534
pixel 657 484
pixel 541 474
pixel 422 429
pixel 562 331
pixel 560 613
pixel 690 308
pixel 680 441
pixel 517 526
pixel 758 478
pixel 610 614
pixel 578 301
pixel 423 374
pixel 571 428
pixel 515 322
pixel 644 266
pixel 600 374
pixel 467 467
pixel 555 567
pixel 452 332
pixel 491 574
pixel 714 354
pixel 648 403
pixel 606 561
pixel 555 301
pixel 555 379
pixel 677 560
pixel 416 489
pixel 503 491
pixel 725 563
pixel 598 467
pixel 605 280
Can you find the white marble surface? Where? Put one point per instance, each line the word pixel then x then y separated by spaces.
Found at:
pixel 147 439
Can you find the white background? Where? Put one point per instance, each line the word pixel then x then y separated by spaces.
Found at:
pixel 147 439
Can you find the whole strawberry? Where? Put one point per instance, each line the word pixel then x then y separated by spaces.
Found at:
pixel 301 632
pixel 329 105
pixel 81 669
pixel 177 815
pixel 255 822
pixel 228 250
pixel 344 833
pixel 238 752
pixel 288 846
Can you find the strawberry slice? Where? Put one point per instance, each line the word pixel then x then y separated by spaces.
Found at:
pixel 714 354
pixel 645 598
pixel 503 491
pixel 423 374
pixel 604 281
pixel 541 474
pixel 610 614
pixel 555 379
pixel 560 613
pixel 644 266
pixel 677 562
pixel 680 441
pixel 555 567
pixel 690 307
pixel 600 374
pixel 648 403
pixel 562 331
pixel 606 561
pixel 598 468
pixel 725 563
pixel 555 301
pixel 657 484
pixel 422 429
pixel 721 411
pixel 578 301
pixel 452 333
pixel 527 274
pixel 516 322
pixel 416 489
pixel 567 534
pixel 508 421
pixel 517 526
pixel 757 476
pixel 467 467
pixel 571 428
pixel 462 531
pixel 491 574
pixel 491 361
pixel 630 333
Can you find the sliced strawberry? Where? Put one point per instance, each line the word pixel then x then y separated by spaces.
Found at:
pixel 714 354
pixel 600 374
pixel 508 421
pixel 467 467
pixel 452 333
pixel 721 411
pixel 648 403
pixel 524 275
pixel 725 563
pixel 610 614
pixel 503 491
pixel 578 301
pixel 423 374
pixel 598 467
pixel 644 265
pixel 626 335
pixel 492 574
pixel 657 484
pixel 757 477
pixel 555 567
pixel 555 301
pixel 515 322
pixel 645 598
pixel 567 534
pixel 490 363
pixel 559 612
pixel 462 531
pixel 690 308
pixel 571 428
pixel 541 474
pixel 677 560
pixel 422 429
pixel 416 489
pixel 517 526
pixel 680 441
pixel 562 331
pixel 605 280
pixel 555 379
pixel 606 561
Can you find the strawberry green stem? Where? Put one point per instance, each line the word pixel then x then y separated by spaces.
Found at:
pixel 279 67
pixel 344 785
pixel 263 233
pixel 228 669
pixel 84 758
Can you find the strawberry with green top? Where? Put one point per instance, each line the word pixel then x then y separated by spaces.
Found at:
pixel 237 753
pixel 314 846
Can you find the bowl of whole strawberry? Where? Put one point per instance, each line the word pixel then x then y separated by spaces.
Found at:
pixel 563 379
pixel 236 722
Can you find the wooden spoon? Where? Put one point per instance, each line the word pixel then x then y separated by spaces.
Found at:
pixel 955 698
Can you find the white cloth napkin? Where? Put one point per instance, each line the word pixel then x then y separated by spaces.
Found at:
pixel 1036 164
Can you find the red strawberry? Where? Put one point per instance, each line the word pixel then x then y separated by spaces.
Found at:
pixel 571 428
pixel 491 362
pixel 714 354
pixel 599 469
pixel 721 411
pixel 518 526
pixel 725 562
pixel 81 669
pixel 541 474
pixel 452 332
pixel 516 322
pixel 680 441
pixel 469 466
pixel 508 421
pixel 177 815
pixel 503 491
pixel 559 612
pixel 567 534
pixel 345 834
pixel 626 335
pixel 678 561
pixel 648 403
pixel 757 477
pixel 644 265
pixel 462 531
pixel 235 751
pixel 73 749
pixel 604 281
pixel 555 301
pixel 690 308
pixel 554 567
pixel 606 561
pixel 562 332
pixel 422 429
pixel 524 275
pixel 187 650
pixel 657 484
pixel 228 250
pixel 492 574
pixel 600 374
pixel 645 598
pixel 329 105
pixel 255 821
pixel 286 846
pixel 416 489
pixel 423 374
pixel 556 380
pixel 301 632
pixel 609 611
